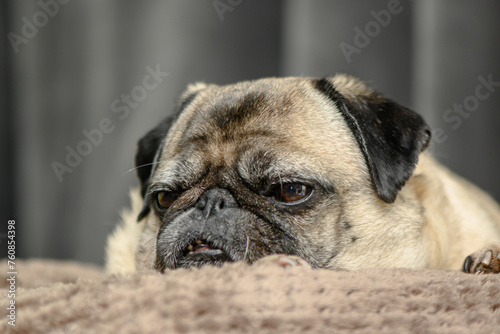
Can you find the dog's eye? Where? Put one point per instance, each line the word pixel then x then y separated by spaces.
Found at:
pixel 292 192
pixel 166 199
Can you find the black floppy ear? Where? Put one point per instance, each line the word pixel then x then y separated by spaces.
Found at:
pixel 390 136
pixel 148 153
pixel 147 149
pixel 150 146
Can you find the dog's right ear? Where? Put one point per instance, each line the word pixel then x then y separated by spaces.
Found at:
pixel 150 146
pixel 147 149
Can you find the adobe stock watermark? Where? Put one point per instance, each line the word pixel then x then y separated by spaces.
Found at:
pixel 11 272
pixel 373 28
pixel 121 107
pixel 29 30
pixel 455 115
pixel 223 6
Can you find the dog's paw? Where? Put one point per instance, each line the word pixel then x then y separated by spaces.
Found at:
pixel 284 261
pixel 485 261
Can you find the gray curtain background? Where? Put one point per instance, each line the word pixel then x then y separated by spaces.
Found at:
pixel 68 64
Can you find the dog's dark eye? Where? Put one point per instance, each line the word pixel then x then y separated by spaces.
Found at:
pixel 292 192
pixel 166 199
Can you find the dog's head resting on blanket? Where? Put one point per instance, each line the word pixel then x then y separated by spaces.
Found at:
pixel 300 166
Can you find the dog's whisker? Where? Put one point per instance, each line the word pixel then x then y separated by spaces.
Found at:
pixel 246 249
pixel 144 263
pixel 147 242
pixel 137 167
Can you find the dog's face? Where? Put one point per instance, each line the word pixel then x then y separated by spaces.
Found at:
pixel 276 166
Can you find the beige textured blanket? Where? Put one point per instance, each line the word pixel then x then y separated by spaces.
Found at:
pixel 63 297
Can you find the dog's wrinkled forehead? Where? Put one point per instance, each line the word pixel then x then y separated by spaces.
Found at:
pixel 272 117
pixel 226 113
pixel 279 106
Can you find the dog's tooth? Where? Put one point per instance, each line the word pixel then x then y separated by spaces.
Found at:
pixel 487 258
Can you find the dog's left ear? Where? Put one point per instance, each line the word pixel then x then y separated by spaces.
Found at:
pixel 390 136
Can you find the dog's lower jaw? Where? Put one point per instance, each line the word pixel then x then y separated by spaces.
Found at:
pixel 214 257
pixel 211 256
pixel 199 260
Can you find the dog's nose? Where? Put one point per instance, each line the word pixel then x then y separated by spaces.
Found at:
pixel 215 200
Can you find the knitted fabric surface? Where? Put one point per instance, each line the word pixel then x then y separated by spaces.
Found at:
pixel 68 297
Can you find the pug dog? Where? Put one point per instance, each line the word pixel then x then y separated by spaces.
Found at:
pixel 324 170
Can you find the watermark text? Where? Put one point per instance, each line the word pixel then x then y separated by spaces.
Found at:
pixel 373 28
pixel 122 108
pixel 223 6
pixel 11 272
pixel 30 28
pixel 455 115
